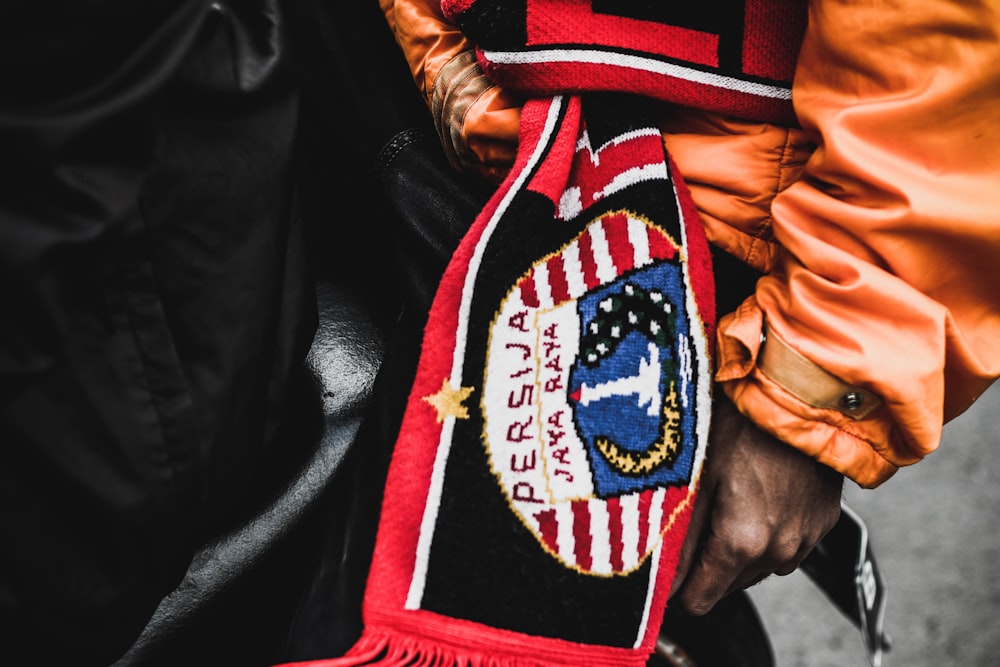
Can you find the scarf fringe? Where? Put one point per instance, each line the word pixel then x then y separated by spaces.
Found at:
pixel 390 649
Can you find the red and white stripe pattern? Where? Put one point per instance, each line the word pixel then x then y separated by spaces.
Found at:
pixel 610 246
pixel 627 159
pixel 599 536
pixel 573 45
pixel 611 536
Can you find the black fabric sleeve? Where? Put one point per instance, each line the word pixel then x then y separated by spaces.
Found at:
pixel 80 83
pixel 82 563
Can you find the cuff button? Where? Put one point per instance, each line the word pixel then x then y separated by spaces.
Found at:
pixel 851 400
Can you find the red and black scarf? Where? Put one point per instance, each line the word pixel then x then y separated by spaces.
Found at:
pixel 544 475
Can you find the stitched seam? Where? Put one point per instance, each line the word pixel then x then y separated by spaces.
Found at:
pixel 395 146
pixel 766 223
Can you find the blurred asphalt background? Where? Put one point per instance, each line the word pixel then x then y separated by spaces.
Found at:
pixel 935 530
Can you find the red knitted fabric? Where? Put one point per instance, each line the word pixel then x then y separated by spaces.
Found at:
pixel 736 58
pixel 542 481
pixel 544 475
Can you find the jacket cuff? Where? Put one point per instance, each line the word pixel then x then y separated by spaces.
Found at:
pixel 458 85
pixel 843 426
pixel 477 122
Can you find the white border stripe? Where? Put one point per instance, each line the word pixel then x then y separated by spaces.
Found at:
pixel 655 538
pixel 596 57
pixel 696 329
pixel 416 591
pixel 647 172
pixel 654 571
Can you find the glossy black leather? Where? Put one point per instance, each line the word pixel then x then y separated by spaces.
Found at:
pixel 175 180
pixel 239 597
pixel 287 582
pixel 156 288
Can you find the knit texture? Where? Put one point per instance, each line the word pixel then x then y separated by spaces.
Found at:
pixel 736 58
pixel 544 475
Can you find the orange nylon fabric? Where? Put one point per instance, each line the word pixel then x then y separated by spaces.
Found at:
pixel 881 246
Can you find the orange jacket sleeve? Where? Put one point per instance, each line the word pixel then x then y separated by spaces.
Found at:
pixel 890 268
pixel 476 120
pixel 884 285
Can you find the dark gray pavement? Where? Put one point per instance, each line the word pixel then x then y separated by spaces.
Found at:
pixel 935 529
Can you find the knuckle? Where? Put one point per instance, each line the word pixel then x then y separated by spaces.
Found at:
pixel 786 550
pixel 751 544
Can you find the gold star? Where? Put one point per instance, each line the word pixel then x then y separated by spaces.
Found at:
pixel 448 401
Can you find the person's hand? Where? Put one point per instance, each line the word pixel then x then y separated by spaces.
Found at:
pixel 761 508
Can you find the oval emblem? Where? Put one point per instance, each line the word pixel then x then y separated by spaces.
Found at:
pixel 590 393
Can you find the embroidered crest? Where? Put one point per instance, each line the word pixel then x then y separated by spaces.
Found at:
pixel 589 399
pixel 558 418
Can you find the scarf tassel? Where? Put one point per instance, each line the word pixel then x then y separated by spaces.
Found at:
pixel 389 649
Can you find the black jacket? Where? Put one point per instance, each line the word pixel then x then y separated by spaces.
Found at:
pixel 175 177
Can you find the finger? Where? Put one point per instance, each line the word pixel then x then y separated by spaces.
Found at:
pixel 748 580
pixel 714 573
pixel 787 569
pixel 765 567
pixel 791 565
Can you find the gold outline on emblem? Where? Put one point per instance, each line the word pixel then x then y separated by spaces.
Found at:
pixel 661 452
